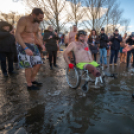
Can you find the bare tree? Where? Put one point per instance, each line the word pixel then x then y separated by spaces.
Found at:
pixel 111 4
pixel 116 18
pixel 4 16
pixel 74 12
pixel 93 11
pixel 52 10
pixel 11 17
pixel 103 13
pixel 126 23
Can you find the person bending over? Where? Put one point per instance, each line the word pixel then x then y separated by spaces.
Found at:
pixel 82 54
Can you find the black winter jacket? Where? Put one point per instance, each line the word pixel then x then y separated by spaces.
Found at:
pixel 94 49
pixel 50 44
pixel 103 40
pixel 7 42
pixel 129 41
pixel 116 42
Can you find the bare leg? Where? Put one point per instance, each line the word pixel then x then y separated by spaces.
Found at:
pixel 92 70
pixel 132 59
pixel 121 56
pixel 35 71
pixel 28 74
pixel 125 57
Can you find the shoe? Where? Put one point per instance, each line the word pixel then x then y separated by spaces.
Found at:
pixel 110 64
pixel 13 73
pixel 56 65
pixel 32 87
pixel 105 66
pixel 115 64
pixel 5 74
pixel 37 83
pixel 51 68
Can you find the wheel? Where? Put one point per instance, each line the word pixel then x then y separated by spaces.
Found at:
pixel 73 78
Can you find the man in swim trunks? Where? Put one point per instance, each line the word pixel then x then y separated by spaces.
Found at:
pixel 82 54
pixel 29 56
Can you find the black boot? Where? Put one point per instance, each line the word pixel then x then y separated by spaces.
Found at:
pixel 5 74
pixel 51 68
pixel 32 87
pixel 37 83
pixel 55 65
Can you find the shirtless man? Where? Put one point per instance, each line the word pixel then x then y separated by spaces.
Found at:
pixel 71 35
pixel 82 53
pixel 27 37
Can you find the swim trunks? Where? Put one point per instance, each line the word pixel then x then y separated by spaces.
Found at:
pixel 26 61
pixel 81 65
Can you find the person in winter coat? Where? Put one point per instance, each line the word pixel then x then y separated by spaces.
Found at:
pixel 129 48
pixel 93 43
pixel 115 40
pixel 50 38
pixel 7 48
pixel 103 47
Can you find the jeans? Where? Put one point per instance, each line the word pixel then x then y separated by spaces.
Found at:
pixel 114 55
pixel 128 57
pixel 54 55
pixel 103 53
pixel 10 58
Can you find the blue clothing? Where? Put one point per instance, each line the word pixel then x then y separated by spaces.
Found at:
pixel 42 34
pixel 116 42
pixel 121 48
pixel 114 55
pixel 103 53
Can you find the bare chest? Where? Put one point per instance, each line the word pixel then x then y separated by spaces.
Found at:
pixel 80 48
pixel 31 27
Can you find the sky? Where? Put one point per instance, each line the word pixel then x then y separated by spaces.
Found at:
pixel 126 5
pixel 9 5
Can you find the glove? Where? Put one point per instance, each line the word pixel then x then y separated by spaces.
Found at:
pixel 86 48
pixel 71 66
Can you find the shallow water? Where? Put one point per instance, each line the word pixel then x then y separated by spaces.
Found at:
pixel 57 109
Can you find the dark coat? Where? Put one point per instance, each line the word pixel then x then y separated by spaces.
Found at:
pixel 50 44
pixel 94 49
pixel 115 42
pixel 7 42
pixel 129 41
pixel 103 40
